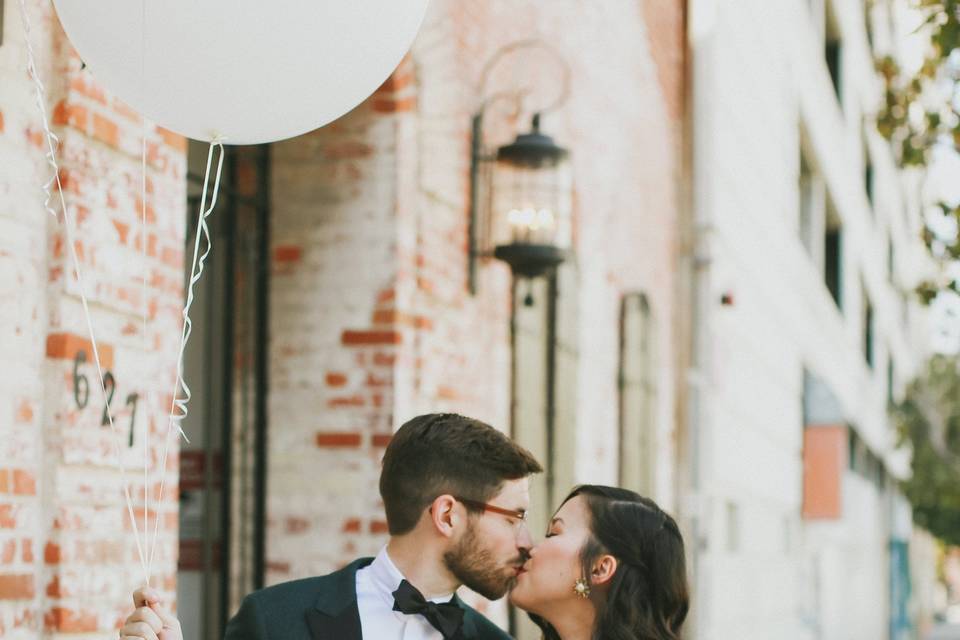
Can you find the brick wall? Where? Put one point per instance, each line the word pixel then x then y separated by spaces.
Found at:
pixel 371 319
pixel 67 556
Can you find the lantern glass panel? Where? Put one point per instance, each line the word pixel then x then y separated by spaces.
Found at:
pixel 531 204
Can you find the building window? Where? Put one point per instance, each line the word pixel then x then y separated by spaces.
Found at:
pixel 637 395
pixel 833 255
pixel 809 186
pixel 868 321
pixel 891 258
pixel 864 462
pixel 868 177
pixel 833 51
pixel 891 373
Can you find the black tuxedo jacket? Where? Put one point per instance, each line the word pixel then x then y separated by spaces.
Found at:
pixel 324 608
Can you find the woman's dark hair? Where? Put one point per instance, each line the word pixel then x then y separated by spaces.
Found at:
pixel 648 597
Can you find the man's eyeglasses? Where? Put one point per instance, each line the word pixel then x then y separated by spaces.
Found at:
pixel 483 506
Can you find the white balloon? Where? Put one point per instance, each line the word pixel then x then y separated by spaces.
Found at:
pixel 248 71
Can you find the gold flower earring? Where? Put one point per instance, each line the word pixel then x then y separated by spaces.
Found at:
pixel 582 588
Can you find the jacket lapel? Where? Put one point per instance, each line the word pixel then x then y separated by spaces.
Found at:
pixel 335 616
pixel 469 630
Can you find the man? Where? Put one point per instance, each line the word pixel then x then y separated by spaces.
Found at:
pixel 455 492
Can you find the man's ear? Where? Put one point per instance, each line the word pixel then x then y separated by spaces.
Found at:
pixel 445 515
pixel 603 570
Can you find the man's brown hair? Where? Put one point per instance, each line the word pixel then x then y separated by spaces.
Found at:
pixel 445 453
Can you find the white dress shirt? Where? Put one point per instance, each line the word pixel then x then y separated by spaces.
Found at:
pixel 375 586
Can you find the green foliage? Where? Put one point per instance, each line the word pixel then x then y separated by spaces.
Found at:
pixel 928 421
pixel 922 110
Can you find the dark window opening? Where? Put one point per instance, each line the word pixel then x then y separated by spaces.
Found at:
pixel 891 258
pixel 891 400
pixel 833 257
pixel 807 202
pixel 833 53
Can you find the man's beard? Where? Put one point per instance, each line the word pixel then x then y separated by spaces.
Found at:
pixel 475 567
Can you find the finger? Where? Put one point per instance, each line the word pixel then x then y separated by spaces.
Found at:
pixel 145 596
pixel 170 621
pixel 148 615
pixel 138 630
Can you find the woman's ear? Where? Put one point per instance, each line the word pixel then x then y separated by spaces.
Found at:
pixel 443 515
pixel 603 570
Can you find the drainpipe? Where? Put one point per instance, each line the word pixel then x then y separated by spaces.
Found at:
pixel 695 233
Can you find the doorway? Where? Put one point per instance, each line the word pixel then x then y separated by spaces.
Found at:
pixel 223 467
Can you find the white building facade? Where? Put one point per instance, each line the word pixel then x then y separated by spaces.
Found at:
pixel 806 243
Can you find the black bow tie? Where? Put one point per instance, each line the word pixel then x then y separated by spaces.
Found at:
pixel 446 617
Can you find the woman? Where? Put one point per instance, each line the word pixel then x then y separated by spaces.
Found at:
pixel 611 568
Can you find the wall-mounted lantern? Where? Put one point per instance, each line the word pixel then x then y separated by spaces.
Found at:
pixel 526 196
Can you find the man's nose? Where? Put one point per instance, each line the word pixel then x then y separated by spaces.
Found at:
pixel 524 541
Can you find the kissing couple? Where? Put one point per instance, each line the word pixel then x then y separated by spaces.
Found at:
pixel 456 493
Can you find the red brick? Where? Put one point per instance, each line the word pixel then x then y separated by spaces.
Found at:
pixel 287 253
pixel 371 337
pixel 386 316
pixel 338 440
pixel 89 89
pixel 384 359
pixel 172 257
pixel 8 552
pixel 399 79
pixel 381 439
pixel 151 213
pixel 105 130
pixel 378 381
pixel 1 121
pixel 7 516
pixel 383 105
pixel 4 481
pixel 173 140
pixel 351 525
pixel 447 393
pixel 16 587
pixel 124 111
pixel 348 150
pixel 67 345
pixel 24 412
pixel 70 621
pixel 51 553
pixel 346 401
pixel 35 138
pixel 336 379
pixel 296 525
pixel 53 589
pixel 73 115
pixel 278 567
pixel 378 527
pixel 24 483
pixel 26 546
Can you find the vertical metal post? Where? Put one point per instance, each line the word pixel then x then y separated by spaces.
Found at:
pixel 553 291
pixel 261 363
pixel 228 219
pixel 476 158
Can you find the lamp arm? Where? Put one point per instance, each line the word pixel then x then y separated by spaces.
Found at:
pixel 530 43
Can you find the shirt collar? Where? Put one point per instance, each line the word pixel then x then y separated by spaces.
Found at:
pixel 387 577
